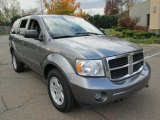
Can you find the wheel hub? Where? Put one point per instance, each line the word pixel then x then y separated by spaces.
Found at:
pixel 14 62
pixel 56 91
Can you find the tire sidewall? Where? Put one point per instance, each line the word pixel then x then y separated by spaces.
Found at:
pixel 20 65
pixel 66 90
pixel 13 55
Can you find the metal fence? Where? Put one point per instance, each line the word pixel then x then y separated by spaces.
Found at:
pixel 5 29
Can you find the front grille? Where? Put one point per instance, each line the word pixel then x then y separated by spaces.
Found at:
pixel 124 66
pixel 118 62
pixel 119 73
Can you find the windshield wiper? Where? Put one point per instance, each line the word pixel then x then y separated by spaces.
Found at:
pixel 77 34
pixel 65 36
pixel 88 33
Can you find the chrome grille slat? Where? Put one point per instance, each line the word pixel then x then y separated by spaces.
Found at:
pixel 119 67
pixel 137 62
pixel 125 65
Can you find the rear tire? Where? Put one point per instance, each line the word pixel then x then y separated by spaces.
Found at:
pixel 59 91
pixel 17 65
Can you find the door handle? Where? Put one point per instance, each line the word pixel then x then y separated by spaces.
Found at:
pixel 24 43
pixel 37 49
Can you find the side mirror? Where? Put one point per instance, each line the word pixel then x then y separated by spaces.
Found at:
pixel 13 31
pixel 31 34
pixel 102 30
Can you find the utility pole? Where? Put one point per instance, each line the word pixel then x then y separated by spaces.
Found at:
pixel 41 6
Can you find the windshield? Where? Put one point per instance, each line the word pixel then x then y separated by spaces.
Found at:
pixel 67 26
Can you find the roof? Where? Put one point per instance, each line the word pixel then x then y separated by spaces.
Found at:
pixel 47 16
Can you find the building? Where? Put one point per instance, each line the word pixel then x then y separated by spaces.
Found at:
pixel 149 13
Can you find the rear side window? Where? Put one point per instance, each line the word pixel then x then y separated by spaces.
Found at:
pixel 23 24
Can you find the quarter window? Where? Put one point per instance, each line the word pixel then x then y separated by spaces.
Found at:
pixel 15 27
pixel 23 24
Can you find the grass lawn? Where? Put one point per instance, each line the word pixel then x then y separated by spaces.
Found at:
pixel 118 34
pixel 4 34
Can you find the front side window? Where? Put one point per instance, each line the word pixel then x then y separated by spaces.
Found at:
pixel 63 26
pixel 34 25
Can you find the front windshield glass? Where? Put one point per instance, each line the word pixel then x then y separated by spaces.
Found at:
pixel 68 26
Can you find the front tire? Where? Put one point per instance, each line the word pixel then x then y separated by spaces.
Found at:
pixel 59 91
pixel 17 65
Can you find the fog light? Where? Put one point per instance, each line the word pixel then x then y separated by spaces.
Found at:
pixel 101 97
pixel 98 96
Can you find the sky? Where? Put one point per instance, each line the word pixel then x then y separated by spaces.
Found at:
pixel 90 6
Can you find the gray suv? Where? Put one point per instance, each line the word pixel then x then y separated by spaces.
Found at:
pixel 79 62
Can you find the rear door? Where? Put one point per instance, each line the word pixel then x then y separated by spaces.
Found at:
pixel 17 37
pixel 13 35
pixel 20 38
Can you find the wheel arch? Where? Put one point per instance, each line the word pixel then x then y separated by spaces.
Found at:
pixel 11 50
pixel 49 67
pixel 57 61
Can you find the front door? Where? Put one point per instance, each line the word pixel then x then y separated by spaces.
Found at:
pixel 33 48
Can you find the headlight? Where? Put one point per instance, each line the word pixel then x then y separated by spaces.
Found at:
pixel 90 67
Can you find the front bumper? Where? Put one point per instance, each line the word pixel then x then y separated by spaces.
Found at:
pixel 85 89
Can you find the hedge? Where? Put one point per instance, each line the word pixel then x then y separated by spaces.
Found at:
pixel 103 21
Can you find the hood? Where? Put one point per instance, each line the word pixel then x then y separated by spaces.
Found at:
pixel 93 47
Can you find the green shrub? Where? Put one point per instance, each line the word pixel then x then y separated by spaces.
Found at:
pixel 128 33
pixel 113 33
pixel 158 41
pixel 143 35
pixel 158 35
pixel 145 41
pixel 119 28
pixel 140 35
pixel 114 27
pixel 149 35
pixel 119 35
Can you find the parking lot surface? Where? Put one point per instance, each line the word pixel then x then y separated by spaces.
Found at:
pixel 24 96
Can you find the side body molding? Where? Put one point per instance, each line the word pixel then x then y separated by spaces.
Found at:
pixel 60 62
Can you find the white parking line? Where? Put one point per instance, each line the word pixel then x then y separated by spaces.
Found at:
pixel 150 56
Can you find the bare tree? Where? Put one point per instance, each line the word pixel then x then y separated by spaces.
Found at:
pixel 14 7
pixel 131 3
pixel 31 11
pixel 120 5
pixel 41 7
pixel 111 7
pixel 9 8
pixel 1 17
